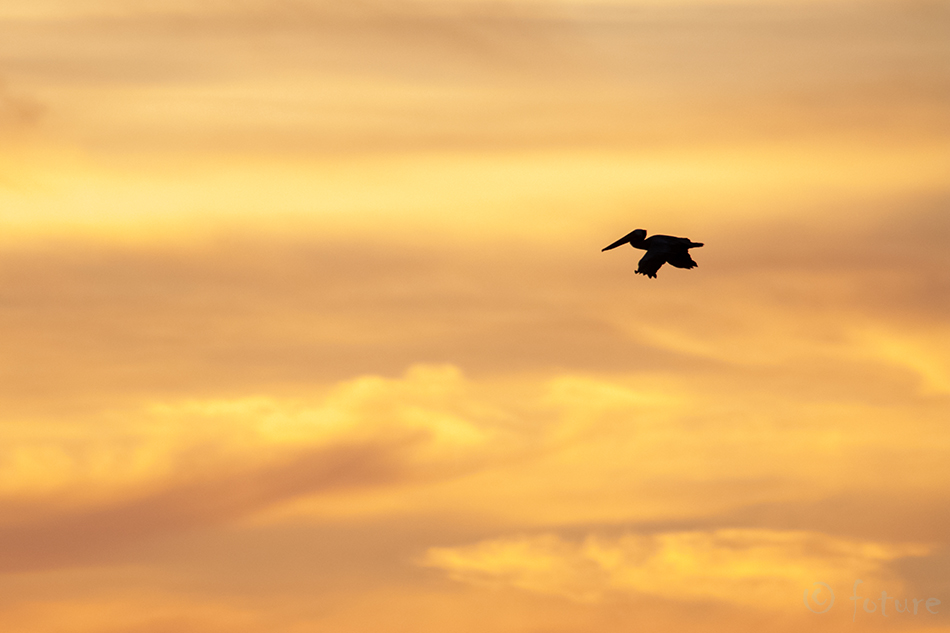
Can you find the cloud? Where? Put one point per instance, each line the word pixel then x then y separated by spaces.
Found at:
pixel 69 497
pixel 17 111
pixel 133 372
pixel 331 77
pixel 279 276
pixel 753 568
pixel 912 513
pixel 81 536
pixel 227 312
pixel 126 611
pixel 434 441
pixel 428 414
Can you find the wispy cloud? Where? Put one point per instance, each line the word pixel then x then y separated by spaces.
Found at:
pixel 754 568
pixel 326 77
pixel 295 293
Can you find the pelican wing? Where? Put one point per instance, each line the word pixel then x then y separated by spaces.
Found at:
pixel 681 260
pixel 651 262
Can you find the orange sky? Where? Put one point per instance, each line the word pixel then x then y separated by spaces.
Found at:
pixel 305 324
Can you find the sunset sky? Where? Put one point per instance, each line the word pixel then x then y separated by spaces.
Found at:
pixel 305 324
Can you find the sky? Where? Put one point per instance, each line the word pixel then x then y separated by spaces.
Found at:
pixel 305 323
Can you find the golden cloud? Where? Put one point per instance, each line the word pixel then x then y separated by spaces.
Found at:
pixel 322 267
pixel 429 413
pixel 69 493
pixel 753 568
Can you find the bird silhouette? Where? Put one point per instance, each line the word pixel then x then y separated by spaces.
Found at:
pixel 660 249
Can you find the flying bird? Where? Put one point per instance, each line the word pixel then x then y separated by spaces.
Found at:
pixel 660 249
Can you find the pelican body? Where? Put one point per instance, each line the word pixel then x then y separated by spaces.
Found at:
pixel 660 249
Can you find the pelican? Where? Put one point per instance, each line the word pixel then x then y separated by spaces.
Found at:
pixel 660 249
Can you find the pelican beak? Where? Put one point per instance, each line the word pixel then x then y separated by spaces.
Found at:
pixel 623 240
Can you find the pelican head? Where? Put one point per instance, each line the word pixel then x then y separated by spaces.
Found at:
pixel 634 237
